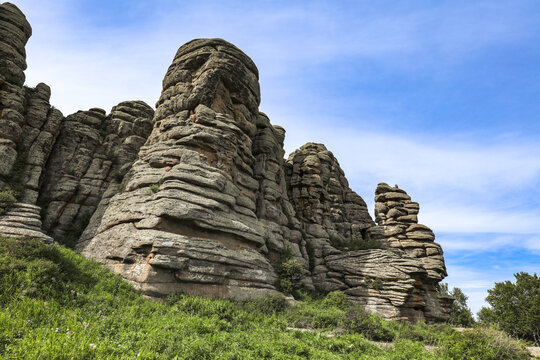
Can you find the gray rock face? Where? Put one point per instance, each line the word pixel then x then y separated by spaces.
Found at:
pixel 197 196
pixel 66 163
pixel 23 220
pixel 397 214
pixel 187 219
pixel 93 151
pixel 14 33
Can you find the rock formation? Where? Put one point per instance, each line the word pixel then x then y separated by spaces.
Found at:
pixel 197 196
pixel 64 164
pixel 92 152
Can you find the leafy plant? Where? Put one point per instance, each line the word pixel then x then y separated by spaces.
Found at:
pixel 516 306
pixel 460 314
pixel 6 200
pixel 483 343
pixel 289 271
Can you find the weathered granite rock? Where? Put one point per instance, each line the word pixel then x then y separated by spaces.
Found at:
pixel 23 220
pixel 330 213
pixel 14 33
pixel 187 219
pixel 28 127
pixel 93 151
pixel 397 214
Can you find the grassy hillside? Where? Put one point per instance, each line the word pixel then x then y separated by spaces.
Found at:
pixel 54 304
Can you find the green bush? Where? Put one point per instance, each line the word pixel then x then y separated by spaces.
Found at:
pixel 6 201
pixel 358 320
pixel 483 343
pixel 515 307
pixel 267 305
pixel 336 299
pixel 289 271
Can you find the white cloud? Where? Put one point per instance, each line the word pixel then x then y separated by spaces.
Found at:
pixel 87 65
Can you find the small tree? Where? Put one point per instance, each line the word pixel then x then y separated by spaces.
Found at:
pixel 460 314
pixel 516 306
pixel 486 315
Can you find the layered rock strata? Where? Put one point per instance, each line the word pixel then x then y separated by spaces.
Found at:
pixel 395 211
pixel 23 220
pixel 197 196
pixel 66 163
pixel 14 33
pixel 93 151
pixel 187 219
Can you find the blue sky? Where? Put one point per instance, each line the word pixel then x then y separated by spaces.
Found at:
pixel 441 98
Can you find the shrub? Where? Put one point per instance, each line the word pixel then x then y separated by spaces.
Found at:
pixel 289 271
pixel 267 305
pixel 6 201
pixel 376 284
pixel 483 343
pixel 336 299
pixel 328 318
pixel 358 320
pixel 516 306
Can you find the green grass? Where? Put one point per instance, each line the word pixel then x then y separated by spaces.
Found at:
pixel 54 304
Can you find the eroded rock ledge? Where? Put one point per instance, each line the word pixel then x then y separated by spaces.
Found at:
pixel 197 196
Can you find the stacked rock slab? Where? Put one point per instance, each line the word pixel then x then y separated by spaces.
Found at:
pixel 65 163
pixel 188 217
pixel 395 211
pixel 23 220
pixel 14 33
pixel 329 211
pixel 210 207
pixel 28 127
pixel 93 151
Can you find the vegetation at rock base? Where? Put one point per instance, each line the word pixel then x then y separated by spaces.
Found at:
pixel 7 199
pixel 55 304
pixel 460 314
pixel 290 272
pixel 515 307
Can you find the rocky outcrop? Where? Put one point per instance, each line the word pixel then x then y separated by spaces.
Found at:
pixel 93 151
pixel 28 127
pixel 197 196
pixel 187 219
pixel 14 33
pixel 23 220
pixel 398 216
pixel 65 163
